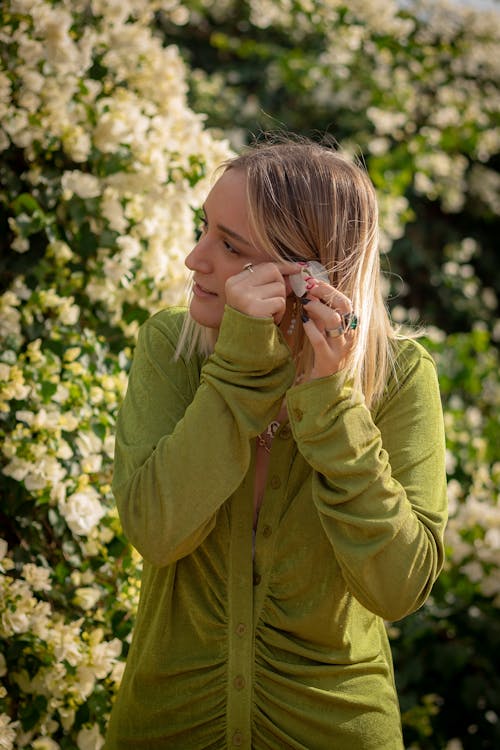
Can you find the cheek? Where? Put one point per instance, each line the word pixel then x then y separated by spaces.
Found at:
pixel 226 271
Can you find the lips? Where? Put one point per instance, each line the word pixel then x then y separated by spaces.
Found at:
pixel 202 291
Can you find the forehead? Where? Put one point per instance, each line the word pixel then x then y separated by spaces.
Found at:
pixel 230 193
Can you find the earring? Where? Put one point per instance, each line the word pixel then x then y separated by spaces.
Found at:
pixel 293 319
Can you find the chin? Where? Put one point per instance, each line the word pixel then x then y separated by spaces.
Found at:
pixel 203 316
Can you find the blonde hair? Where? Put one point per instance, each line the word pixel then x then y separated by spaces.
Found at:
pixel 308 201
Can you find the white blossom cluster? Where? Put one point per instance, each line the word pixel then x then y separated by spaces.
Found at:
pixel 61 441
pixel 435 84
pixel 136 116
pixel 74 661
pixel 100 216
pixel 473 532
pixel 114 163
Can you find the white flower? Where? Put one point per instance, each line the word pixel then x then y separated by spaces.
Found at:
pixel 112 210
pixel 84 682
pixel 473 570
pixel 37 577
pixel 45 743
pixel 20 244
pixel 14 622
pixel 69 313
pixel 88 443
pixel 67 716
pixel 104 656
pixel 80 183
pixel 67 642
pixel 109 446
pixel 76 143
pixel 87 597
pixel 7 732
pixel 18 468
pixel 90 738
pixel 64 450
pixel 82 511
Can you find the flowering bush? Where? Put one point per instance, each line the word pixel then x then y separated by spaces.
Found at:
pixel 103 164
pixel 446 654
pixel 412 86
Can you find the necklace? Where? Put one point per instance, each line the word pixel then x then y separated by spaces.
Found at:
pixel 266 438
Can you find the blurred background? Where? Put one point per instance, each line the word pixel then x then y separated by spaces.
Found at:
pixel 114 115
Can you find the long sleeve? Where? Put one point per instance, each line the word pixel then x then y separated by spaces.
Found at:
pixel 379 482
pixel 183 446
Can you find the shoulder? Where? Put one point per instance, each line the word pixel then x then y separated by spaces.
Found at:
pixel 409 354
pixel 159 335
pixel 412 374
pixel 162 330
pixel 167 322
pixel 156 351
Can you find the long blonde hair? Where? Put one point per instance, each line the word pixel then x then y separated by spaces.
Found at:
pixel 308 201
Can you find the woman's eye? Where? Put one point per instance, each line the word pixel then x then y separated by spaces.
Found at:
pixel 230 248
pixel 202 227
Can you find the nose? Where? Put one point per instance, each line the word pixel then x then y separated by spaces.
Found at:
pixel 199 259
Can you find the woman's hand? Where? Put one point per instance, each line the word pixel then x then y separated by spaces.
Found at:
pixel 260 290
pixel 329 325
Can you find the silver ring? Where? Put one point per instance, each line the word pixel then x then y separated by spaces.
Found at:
pixel 334 333
pixel 248 267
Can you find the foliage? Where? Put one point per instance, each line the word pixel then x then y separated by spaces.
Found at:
pixel 412 87
pixel 446 654
pixel 103 164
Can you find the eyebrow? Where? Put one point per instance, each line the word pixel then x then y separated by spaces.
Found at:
pixel 228 231
pixel 235 235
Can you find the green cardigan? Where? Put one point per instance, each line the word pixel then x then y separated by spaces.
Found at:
pixel 286 647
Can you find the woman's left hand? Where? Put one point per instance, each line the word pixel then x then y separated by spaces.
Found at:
pixel 329 327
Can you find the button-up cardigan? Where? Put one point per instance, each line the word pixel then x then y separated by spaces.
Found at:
pixel 284 646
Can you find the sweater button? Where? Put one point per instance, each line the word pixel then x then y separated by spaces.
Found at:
pixel 275 482
pixel 298 413
pixel 239 682
pixel 237 739
pixel 285 433
pixel 241 629
pixel 266 532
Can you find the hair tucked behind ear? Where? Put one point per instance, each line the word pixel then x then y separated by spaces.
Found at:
pixel 308 201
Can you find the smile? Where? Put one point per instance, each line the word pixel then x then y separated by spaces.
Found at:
pixel 200 291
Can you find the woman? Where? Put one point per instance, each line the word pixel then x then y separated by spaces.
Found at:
pixel 280 467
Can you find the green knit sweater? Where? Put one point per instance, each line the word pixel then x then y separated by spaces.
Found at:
pixel 283 647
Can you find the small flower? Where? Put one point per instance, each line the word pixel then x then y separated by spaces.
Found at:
pixel 82 511
pixel 37 577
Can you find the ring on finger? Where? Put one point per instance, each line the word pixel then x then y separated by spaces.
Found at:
pixel 349 321
pixel 248 267
pixel 334 333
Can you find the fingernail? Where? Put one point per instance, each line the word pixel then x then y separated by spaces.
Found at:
pixel 310 283
pixel 305 317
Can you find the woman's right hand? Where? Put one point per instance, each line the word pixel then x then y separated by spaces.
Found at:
pixel 261 290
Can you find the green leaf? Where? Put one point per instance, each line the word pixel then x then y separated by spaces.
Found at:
pixel 25 203
pixel 48 390
pixel 33 711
